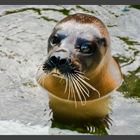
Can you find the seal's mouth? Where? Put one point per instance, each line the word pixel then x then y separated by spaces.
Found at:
pixel 55 72
pixel 77 85
pixel 51 68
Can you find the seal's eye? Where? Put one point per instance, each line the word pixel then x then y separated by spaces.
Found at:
pixel 55 40
pixel 86 48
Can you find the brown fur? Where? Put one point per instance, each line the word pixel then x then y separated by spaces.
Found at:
pixel 84 18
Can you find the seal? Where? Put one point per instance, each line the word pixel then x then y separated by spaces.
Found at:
pixel 79 72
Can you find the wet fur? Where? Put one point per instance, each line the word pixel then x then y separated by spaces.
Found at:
pixel 83 95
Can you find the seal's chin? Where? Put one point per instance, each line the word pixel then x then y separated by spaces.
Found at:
pixel 56 73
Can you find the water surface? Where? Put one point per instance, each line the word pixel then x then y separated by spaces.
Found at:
pixel 24 31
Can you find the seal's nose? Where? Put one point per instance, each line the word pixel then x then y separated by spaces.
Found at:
pixel 57 61
pixel 54 60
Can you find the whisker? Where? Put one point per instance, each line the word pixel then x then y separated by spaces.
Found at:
pixel 79 72
pixel 69 86
pixel 79 87
pixel 82 76
pixel 40 80
pixel 43 81
pixel 72 86
pixel 60 80
pixel 44 76
pixel 86 91
pixel 66 87
pixel 90 86
pixel 77 90
pixel 74 94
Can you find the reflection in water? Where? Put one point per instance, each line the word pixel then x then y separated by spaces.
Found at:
pixel 98 126
pixel 84 123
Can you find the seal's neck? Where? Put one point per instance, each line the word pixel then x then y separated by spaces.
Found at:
pixel 108 76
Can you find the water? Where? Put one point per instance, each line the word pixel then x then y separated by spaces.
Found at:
pixel 24 31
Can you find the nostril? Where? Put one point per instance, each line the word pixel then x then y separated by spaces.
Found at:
pixel 54 60
pixel 57 61
pixel 63 61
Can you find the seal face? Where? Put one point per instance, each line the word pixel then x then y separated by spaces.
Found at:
pixel 79 67
pixel 75 42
